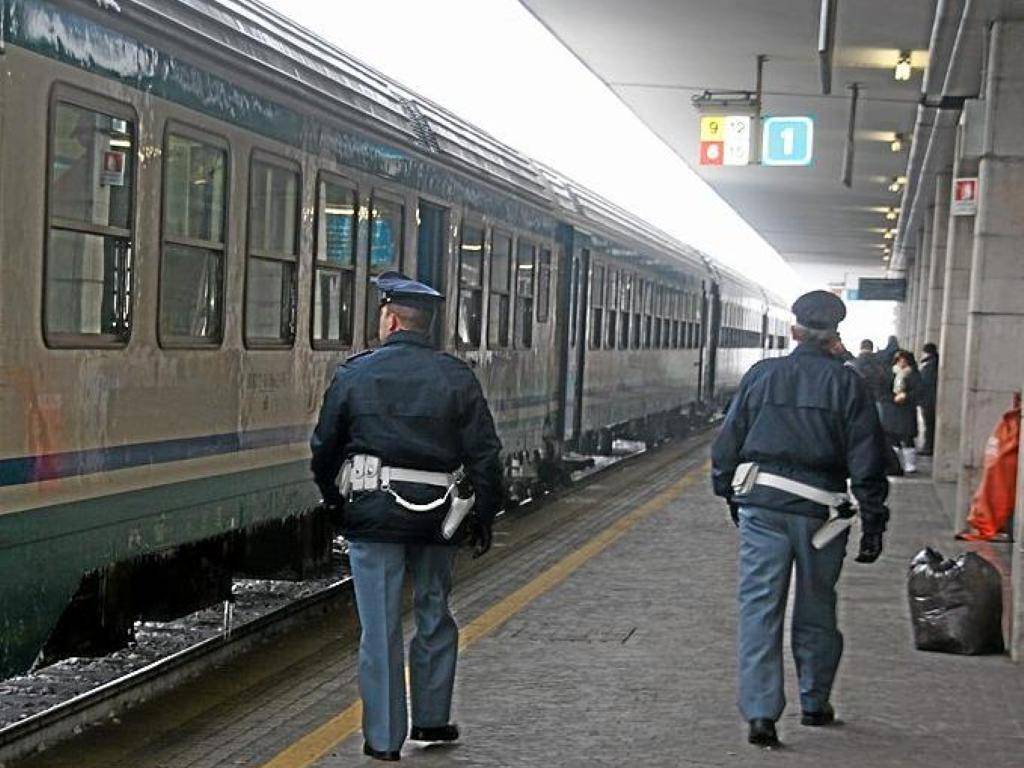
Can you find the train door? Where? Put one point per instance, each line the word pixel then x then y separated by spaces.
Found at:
pixel 764 334
pixel 431 253
pixel 576 344
pixel 711 320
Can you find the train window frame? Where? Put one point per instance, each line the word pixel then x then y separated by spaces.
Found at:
pixel 263 157
pixel 372 307
pixel 324 177
pixel 220 142
pixel 519 311
pixel 612 307
pixel 542 291
pixel 598 271
pixel 87 100
pixel 465 287
pixel 626 290
pixel 501 293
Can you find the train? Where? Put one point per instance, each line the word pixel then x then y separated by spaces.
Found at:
pixel 195 198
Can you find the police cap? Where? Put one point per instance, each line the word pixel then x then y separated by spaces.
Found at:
pixel 819 310
pixel 396 288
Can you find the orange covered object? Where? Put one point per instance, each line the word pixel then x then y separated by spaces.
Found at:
pixel 995 498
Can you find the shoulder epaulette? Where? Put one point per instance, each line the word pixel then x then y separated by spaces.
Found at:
pixel 358 355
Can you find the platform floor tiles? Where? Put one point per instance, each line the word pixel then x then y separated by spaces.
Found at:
pixel 630 661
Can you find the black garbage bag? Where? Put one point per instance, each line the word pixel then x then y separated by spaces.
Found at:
pixel 956 606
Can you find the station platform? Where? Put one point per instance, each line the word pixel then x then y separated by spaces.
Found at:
pixel 603 634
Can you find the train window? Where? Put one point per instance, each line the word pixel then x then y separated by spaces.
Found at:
pixel 626 302
pixel 611 306
pixel 648 309
pixel 334 262
pixel 387 238
pixel 498 307
pixel 543 284
pixel 597 296
pixel 637 311
pixel 526 254
pixel 471 271
pixel 271 272
pixel 668 310
pixel 87 292
pixel 192 255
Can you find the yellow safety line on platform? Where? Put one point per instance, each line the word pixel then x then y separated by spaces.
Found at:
pixel 317 743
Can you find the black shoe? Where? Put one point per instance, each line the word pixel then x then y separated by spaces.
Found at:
pixel 437 733
pixel 762 734
pixel 820 718
pixel 376 754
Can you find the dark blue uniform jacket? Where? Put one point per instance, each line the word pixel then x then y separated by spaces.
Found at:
pixel 810 418
pixel 416 408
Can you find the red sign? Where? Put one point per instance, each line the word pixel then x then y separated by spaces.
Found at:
pixel 965 197
pixel 112 172
pixel 712 152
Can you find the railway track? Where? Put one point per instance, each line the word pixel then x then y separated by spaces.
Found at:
pixel 107 701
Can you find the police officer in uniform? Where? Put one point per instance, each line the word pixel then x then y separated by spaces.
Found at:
pixel 798 427
pixel 402 425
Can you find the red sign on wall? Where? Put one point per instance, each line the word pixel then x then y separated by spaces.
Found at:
pixel 712 152
pixel 965 197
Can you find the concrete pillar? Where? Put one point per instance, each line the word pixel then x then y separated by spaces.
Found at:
pixel 952 342
pixel 937 267
pixel 994 366
pixel 906 341
pixel 921 283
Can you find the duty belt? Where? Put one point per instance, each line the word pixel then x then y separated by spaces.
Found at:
pixel 841 507
pixel 363 472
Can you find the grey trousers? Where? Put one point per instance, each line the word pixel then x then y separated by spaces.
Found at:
pixel 770 543
pixel 378 570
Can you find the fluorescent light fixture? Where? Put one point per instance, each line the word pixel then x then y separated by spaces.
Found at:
pixel 331 210
pixel 889 234
pixel 897 143
pixel 126 143
pixel 891 214
pixel 897 183
pixel 826 41
pixel 902 71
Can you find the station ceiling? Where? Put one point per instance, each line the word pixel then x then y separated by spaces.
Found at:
pixel 657 54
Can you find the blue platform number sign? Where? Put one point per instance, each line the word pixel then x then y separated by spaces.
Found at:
pixel 787 141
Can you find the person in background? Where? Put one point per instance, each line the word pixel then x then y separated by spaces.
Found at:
pixel 875 372
pixel 929 394
pixel 899 414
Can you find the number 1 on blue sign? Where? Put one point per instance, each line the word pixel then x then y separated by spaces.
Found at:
pixel 787 141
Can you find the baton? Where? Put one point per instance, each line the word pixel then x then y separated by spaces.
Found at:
pixel 834 526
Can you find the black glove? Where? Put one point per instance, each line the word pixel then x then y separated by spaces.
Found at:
pixel 870 547
pixel 334 510
pixel 479 536
pixel 734 513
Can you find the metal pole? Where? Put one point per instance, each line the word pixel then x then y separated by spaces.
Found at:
pixel 759 86
pixel 847 177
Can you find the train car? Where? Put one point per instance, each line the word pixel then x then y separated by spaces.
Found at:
pixel 195 197
pixel 634 344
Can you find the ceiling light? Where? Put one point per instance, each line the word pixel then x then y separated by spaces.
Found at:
pixel 902 71
pixel 897 183
pixel 891 214
pixel 889 234
pixel 897 143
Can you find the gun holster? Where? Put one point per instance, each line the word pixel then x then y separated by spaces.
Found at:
pixel 744 478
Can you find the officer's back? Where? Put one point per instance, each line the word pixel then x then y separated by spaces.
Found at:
pixel 412 406
pixel 808 417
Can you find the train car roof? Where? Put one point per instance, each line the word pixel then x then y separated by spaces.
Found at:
pixel 249 34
